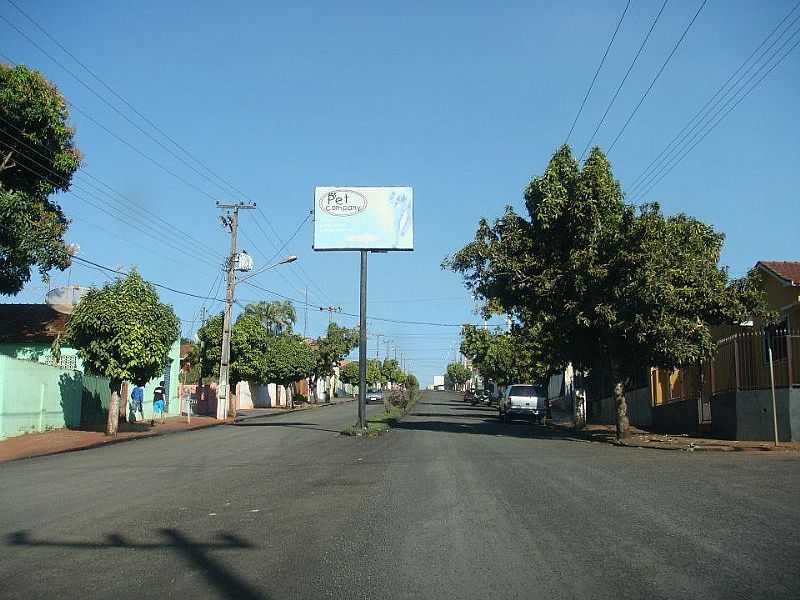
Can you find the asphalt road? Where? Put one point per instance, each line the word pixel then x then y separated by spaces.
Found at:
pixel 452 504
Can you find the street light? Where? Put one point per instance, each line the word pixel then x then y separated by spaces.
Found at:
pixel 288 259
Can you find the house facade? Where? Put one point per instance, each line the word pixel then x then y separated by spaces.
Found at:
pixel 27 333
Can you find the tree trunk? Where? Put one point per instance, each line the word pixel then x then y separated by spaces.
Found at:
pixel 113 408
pixel 622 410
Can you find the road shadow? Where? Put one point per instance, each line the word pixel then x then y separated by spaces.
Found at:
pixel 250 423
pixel 483 420
pixel 219 577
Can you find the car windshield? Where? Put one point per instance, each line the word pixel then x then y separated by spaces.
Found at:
pixel 527 390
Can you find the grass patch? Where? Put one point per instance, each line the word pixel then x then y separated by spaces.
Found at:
pixel 379 424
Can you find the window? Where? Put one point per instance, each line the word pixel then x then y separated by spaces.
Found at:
pixel 528 390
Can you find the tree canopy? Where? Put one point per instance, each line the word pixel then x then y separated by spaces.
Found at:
pixel 122 331
pixel 332 348
pixel 277 317
pixel 504 358
pixel 600 283
pixel 349 373
pixel 37 158
pixel 458 373
pixel 391 371
pixel 288 358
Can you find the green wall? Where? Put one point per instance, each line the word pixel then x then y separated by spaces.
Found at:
pixel 36 397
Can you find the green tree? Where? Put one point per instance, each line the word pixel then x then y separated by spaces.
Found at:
pixel 210 337
pixel 391 371
pixel 458 374
pixel 37 158
pixel 250 348
pixel 122 331
pixel 288 358
pixel 277 317
pixel 411 381
pixel 599 283
pixel 375 375
pixel 330 350
pixel 349 373
pixel 504 358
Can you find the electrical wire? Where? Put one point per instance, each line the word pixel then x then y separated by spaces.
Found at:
pixel 720 119
pixel 597 72
pixel 624 79
pixel 124 206
pixel 707 109
pixel 658 74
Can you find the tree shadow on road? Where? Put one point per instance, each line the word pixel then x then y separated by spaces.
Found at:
pixel 492 427
pixel 281 424
pixel 218 576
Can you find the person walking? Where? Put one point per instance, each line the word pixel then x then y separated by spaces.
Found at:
pixel 159 395
pixel 137 399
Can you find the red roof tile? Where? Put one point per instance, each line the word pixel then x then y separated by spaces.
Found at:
pixel 789 271
pixel 30 323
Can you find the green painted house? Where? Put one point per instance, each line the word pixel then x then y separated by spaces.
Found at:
pixel 27 333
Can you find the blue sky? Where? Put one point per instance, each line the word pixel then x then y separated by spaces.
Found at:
pixel 464 101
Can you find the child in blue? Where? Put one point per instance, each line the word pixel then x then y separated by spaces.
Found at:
pixel 158 403
pixel 137 398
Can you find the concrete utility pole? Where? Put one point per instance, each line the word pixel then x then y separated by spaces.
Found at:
pixel 230 221
pixel 378 345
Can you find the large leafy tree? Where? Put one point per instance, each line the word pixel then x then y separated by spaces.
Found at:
pixel 124 332
pixel 605 285
pixel 37 159
pixel 458 374
pixel 330 349
pixel 277 317
pixel 250 346
pixel 210 338
pixel 375 372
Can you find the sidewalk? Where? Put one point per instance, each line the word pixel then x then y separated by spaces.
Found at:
pixel 67 440
pixel 257 413
pixel 639 438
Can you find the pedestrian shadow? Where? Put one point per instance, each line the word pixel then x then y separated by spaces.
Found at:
pixel 248 423
pixel 218 576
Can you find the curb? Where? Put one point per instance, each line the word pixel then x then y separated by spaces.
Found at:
pixel 239 419
pixel 113 442
pixel 674 448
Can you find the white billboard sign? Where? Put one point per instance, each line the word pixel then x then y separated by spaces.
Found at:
pixel 363 218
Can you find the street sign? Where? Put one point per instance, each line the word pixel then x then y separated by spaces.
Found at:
pixel 363 218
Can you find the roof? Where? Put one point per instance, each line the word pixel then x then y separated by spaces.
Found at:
pixel 787 271
pixel 30 323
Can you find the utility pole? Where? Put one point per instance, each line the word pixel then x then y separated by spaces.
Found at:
pixel 231 221
pixel 378 345
pixel 331 310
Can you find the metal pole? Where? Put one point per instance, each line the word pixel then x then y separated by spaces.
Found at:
pixel 772 385
pixel 305 321
pixel 362 346
pixel 224 365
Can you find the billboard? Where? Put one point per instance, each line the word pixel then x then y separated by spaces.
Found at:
pixel 363 218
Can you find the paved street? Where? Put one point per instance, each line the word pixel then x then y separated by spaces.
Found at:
pixel 452 504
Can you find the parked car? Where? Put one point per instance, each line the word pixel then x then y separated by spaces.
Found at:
pixel 374 396
pixel 523 400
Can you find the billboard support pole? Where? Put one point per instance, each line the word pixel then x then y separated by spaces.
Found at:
pixel 362 346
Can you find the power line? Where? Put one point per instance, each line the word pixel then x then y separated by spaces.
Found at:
pixel 661 70
pixel 160 285
pixel 95 190
pixel 597 72
pixel 654 166
pixel 720 119
pixel 624 79
pixel 114 92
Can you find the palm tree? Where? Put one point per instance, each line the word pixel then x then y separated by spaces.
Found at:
pixel 277 317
